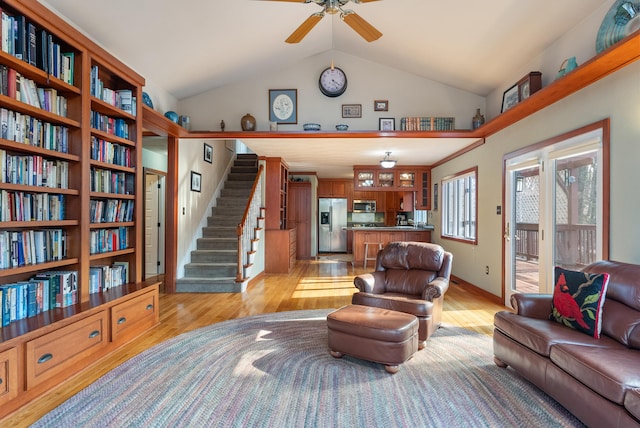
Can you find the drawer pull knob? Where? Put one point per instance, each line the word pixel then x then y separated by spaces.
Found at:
pixel 0 381
pixel 122 320
pixel 94 333
pixel 149 307
pixel 45 358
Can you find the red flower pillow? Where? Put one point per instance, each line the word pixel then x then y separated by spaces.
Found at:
pixel 578 298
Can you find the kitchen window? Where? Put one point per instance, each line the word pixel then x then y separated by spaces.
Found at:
pixel 459 194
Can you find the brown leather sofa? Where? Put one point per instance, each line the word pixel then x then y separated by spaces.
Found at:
pixel 409 277
pixel 598 380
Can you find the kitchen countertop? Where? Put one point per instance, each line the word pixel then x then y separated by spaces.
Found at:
pixel 426 228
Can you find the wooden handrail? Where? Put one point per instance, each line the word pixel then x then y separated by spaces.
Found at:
pixel 240 227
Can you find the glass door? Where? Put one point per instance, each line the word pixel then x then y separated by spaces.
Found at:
pixel 522 229
pixel 555 212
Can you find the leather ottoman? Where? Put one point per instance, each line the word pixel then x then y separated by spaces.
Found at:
pixel 373 334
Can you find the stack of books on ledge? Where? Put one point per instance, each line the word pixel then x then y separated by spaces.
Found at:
pixel 427 123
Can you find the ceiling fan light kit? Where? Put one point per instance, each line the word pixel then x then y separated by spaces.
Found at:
pixel 333 7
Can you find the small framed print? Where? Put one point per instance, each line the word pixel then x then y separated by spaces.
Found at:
pixel 208 153
pixel 387 124
pixel 510 98
pixel 381 105
pixel 352 110
pixel 283 106
pixel 196 181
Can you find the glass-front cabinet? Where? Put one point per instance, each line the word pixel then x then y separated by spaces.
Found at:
pixel 376 178
pixel 406 179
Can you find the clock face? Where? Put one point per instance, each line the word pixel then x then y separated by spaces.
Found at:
pixel 333 82
pixel 525 90
pixel 282 106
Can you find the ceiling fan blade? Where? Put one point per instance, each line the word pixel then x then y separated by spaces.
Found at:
pixel 301 1
pixel 360 26
pixel 304 28
pixel 355 1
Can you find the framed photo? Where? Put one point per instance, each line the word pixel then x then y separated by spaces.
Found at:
pixel 208 153
pixel 510 98
pixel 381 105
pixel 196 181
pixel 283 106
pixel 351 110
pixel 387 124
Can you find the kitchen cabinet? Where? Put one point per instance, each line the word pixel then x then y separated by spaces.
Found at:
pixel 423 198
pixel 300 217
pixel 373 178
pixel 280 255
pixel 332 188
pixel 418 236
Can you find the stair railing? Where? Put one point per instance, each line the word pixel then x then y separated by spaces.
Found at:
pixel 246 228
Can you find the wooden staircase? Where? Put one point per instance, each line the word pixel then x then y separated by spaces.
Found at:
pixel 214 262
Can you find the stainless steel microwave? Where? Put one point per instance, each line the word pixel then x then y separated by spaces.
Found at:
pixel 360 206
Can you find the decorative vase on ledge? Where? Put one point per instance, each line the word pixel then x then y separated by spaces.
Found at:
pixel 248 122
pixel 477 120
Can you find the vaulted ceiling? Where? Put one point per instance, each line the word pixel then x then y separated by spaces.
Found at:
pixel 191 46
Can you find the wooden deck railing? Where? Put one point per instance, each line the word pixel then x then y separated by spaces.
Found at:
pixel 575 243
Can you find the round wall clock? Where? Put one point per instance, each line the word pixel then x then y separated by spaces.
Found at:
pixel 333 82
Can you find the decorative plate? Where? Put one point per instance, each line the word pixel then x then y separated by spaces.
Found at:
pixel 146 100
pixel 621 20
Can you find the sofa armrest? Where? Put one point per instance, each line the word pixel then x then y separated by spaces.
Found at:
pixel 532 305
pixel 435 289
pixel 370 282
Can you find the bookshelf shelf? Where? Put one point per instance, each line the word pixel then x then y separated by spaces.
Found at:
pixel 111 225
pixel 100 256
pixel 4 273
pixel 38 189
pixel 37 224
pixel 113 166
pixel 111 138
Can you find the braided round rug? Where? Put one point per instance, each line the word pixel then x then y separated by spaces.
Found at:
pixel 274 370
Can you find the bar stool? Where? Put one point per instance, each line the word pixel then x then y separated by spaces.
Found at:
pixel 366 252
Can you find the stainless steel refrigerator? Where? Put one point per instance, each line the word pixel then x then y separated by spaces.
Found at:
pixel 332 230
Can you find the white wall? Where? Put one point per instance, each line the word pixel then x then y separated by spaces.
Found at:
pixel 195 207
pixel 615 97
pixel 408 95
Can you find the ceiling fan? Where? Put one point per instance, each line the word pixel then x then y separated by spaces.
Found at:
pixel 332 7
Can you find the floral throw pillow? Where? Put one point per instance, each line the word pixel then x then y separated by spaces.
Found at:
pixel 578 298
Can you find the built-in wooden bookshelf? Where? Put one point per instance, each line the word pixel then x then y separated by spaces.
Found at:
pixel 70 203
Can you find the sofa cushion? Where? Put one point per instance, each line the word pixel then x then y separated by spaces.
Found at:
pixel 578 298
pixel 412 281
pixel 632 402
pixel 606 366
pixel 536 334
pixel 621 323
pixel 623 283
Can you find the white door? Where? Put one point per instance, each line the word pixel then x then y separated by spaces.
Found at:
pixel 554 212
pixel 154 224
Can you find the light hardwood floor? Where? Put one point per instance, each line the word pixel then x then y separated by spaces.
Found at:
pixel 311 285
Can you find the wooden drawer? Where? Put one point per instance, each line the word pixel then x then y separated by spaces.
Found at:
pixel 66 349
pixel 133 317
pixel 8 375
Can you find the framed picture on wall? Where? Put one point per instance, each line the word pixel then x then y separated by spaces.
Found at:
pixel 208 153
pixel 196 181
pixel 381 105
pixel 387 124
pixel 351 110
pixel 283 106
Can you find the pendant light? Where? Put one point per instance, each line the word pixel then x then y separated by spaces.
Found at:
pixel 387 162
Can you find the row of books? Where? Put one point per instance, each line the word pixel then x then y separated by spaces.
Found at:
pixel 105 151
pixel 35 46
pixel 25 129
pixel 16 86
pixel 111 210
pixel 108 181
pixel 427 123
pixel 26 247
pixel 110 125
pixel 43 292
pixel 24 206
pixel 107 240
pixel 120 98
pixel 33 170
pixel 103 278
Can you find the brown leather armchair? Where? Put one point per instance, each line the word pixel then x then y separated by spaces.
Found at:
pixel 410 277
